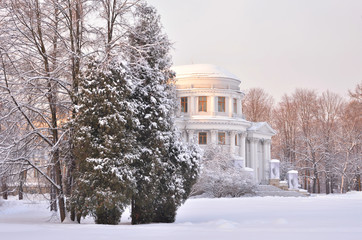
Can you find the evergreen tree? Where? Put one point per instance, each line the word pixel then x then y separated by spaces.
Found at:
pixel 176 179
pixel 104 143
pixel 166 169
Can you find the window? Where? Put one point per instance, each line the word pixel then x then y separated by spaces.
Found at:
pixel 221 104
pixel 203 104
pixel 236 140
pixel 221 138
pixel 36 173
pixel 202 138
pixel 24 175
pixel 184 104
pixel 235 106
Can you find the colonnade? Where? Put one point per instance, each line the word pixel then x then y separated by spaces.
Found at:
pixel 260 163
pixel 246 149
pixel 212 106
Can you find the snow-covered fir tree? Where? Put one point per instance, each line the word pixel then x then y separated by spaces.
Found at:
pixel 104 143
pixel 166 168
pixel 178 176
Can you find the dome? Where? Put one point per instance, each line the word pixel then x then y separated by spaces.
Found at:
pixel 202 71
pixel 205 76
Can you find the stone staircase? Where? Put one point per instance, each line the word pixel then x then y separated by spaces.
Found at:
pixel 269 190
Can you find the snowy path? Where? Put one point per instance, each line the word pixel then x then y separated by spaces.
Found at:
pixel 320 217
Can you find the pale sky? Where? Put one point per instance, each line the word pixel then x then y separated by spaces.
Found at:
pixel 278 45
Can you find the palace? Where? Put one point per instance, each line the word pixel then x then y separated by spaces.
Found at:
pixel 211 113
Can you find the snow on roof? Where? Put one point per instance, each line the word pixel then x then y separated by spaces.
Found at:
pixel 275 160
pixel 256 126
pixel 202 71
pixel 263 127
pixel 293 171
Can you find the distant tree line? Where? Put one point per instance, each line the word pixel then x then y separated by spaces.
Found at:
pixel 317 134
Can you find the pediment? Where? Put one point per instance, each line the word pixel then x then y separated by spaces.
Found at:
pixel 262 128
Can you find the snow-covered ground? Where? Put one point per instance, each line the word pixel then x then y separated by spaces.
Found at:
pixel 317 217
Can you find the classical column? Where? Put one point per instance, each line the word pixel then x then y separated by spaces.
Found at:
pixel 268 149
pixel 192 105
pixel 243 147
pixel 240 106
pixel 267 158
pixel 190 134
pixel 212 105
pixel 257 161
pixel 232 142
pixel 264 159
pixel 213 137
pixel 253 156
pixel 230 113
pixel 251 153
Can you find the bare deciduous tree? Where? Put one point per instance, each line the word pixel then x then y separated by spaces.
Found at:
pixel 43 47
pixel 320 135
pixel 258 105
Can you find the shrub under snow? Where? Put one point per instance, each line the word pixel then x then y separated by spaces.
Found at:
pixel 221 178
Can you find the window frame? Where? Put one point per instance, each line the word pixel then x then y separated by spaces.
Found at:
pixel 202 138
pixel 202 104
pixel 221 104
pixel 36 172
pixel 184 103
pixel 221 137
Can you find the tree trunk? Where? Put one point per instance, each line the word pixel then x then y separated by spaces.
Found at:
pixel 72 214
pixel 318 185
pixel 308 182
pixel 141 211
pixel 327 185
pixel 332 185
pixel 79 216
pixel 22 177
pixel 58 177
pixel 70 178
pixel 314 187
pixel 53 193
pixel 342 184
pixel 134 214
pixel 4 188
pixel 358 180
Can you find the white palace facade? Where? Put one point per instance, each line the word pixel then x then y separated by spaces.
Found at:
pixel 211 113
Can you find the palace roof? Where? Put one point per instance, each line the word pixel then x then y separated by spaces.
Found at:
pixel 202 71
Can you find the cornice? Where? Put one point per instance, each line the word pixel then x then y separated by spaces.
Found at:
pixel 214 121
pixel 253 139
pixel 192 91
